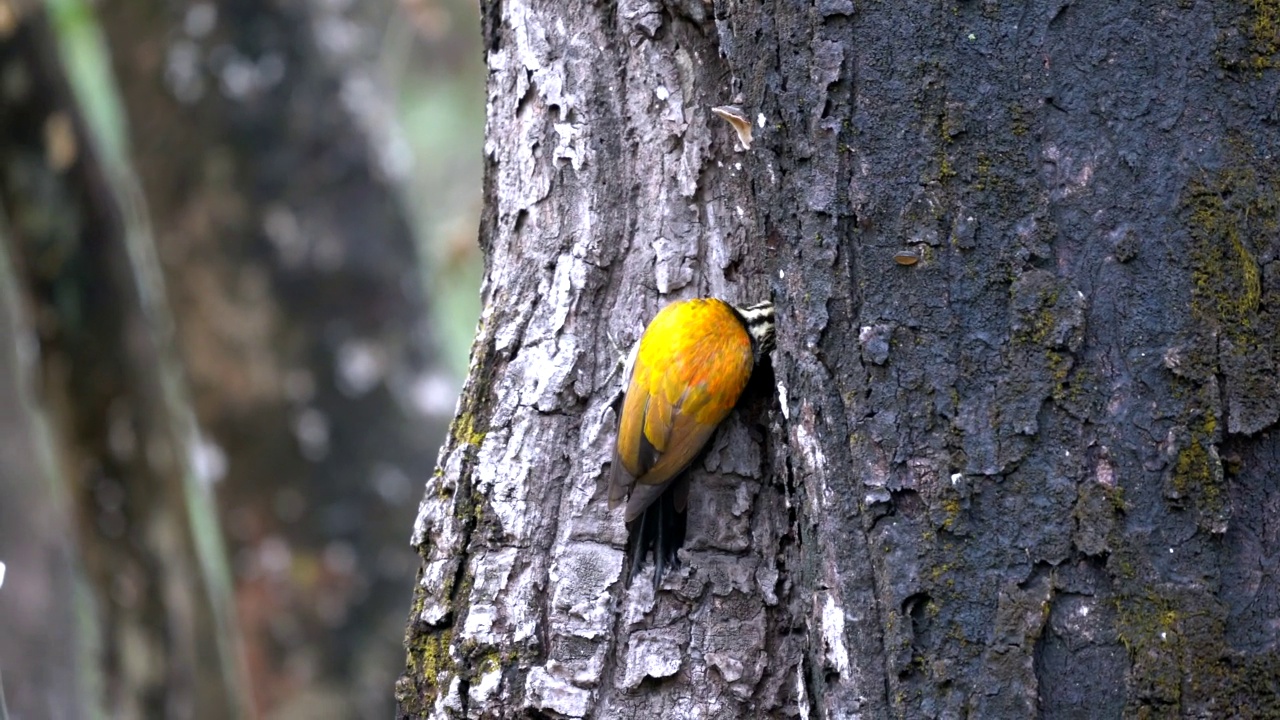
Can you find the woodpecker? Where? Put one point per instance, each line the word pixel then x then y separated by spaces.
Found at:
pixel 687 371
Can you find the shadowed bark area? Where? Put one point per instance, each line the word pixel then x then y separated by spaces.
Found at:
pixel 1017 454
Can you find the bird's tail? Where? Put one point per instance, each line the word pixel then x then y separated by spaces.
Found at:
pixel 660 529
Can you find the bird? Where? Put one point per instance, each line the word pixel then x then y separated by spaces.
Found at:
pixel 686 374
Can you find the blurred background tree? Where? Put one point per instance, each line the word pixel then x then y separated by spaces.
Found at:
pixel 238 278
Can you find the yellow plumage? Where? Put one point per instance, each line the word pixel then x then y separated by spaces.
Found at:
pixel 693 362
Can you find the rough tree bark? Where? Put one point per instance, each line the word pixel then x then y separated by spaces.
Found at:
pixel 1018 455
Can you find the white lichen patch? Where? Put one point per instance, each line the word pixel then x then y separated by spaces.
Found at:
pixel 802 693
pixel 449 704
pixel 651 653
pixel 545 371
pixel 523 602
pixel 813 462
pixel 436 576
pixel 569 277
pixel 502 477
pixel 492 570
pixel 835 653
pixel 544 691
pixel 1105 472
pixel 673 268
pixel 484 690
pixel 730 667
pixel 570 146
pixel 581 576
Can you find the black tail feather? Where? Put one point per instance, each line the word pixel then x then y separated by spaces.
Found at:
pixel 660 529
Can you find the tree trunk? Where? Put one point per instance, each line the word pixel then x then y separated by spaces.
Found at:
pixel 44 661
pixel 1018 453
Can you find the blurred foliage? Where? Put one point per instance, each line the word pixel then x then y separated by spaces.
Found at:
pixel 84 53
pixel 436 68
pixel 433 66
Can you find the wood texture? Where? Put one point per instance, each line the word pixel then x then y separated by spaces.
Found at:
pixel 1030 474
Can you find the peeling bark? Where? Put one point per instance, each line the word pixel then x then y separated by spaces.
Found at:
pixel 1031 472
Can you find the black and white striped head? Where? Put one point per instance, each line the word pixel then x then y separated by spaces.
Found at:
pixel 758 320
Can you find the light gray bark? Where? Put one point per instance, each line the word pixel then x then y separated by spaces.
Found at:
pixel 612 189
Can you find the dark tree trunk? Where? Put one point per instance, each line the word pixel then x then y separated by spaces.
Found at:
pixel 1018 453
pixel 44 671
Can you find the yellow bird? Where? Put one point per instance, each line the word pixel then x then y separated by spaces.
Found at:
pixel 689 369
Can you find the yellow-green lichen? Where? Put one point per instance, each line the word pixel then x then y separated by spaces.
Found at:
pixel 428 667
pixel 1038 325
pixel 1148 626
pixel 937 571
pixel 945 171
pixel 951 507
pixel 487 661
pixel 1227 281
pixel 1075 386
pixel 1264 28
pixel 464 430
pixel 1180 662
pixel 1259 29
pixel 983 172
pixel 1018 120
pixel 1116 495
pixel 1197 472
pixel 1231 216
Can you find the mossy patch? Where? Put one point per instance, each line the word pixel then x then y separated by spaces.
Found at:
pixel 1227 281
pixel 1231 217
pixel 1253 43
pixel 1148 627
pixel 427 670
pixel 464 430
pixel 1196 477
pixel 1182 666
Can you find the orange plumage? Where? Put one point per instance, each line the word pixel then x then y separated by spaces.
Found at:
pixel 693 362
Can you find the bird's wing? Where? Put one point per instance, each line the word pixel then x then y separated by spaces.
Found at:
pixel 668 415
pixel 678 438
pixel 633 454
